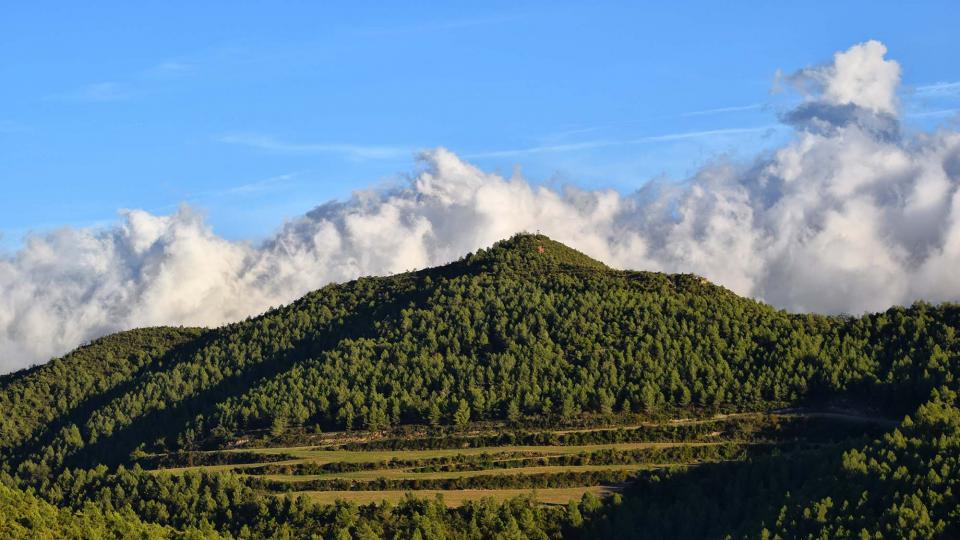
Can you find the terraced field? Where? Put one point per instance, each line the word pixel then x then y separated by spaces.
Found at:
pixel 554 466
pixel 457 497
pixel 321 456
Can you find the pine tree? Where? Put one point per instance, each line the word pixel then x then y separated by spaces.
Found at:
pixel 462 415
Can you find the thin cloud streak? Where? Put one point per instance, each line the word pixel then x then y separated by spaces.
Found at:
pixel 588 145
pixel 167 69
pixel 274 182
pixel 352 151
pixel 256 187
pixel 721 110
pixel 937 113
pixel 125 88
pixel 939 89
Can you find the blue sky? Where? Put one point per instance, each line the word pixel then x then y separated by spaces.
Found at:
pixel 256 112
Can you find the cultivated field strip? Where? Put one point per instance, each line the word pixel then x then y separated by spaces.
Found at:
pixel 461 467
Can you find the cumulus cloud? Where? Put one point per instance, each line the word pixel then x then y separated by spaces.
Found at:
pixel 859 76
pixel 851 215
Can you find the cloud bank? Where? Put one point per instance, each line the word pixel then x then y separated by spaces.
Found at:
pixel 854 214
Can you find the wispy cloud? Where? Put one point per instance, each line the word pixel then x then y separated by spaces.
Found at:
pixel 100 92
pixel 704 134
pixel 722 110
pixel 276 183
pixel 167 69
pixel 557 136
pixel 934 114
pixel 939 89
pixel 127 87
pixel 259 186
pixel 588 145
pixel 352 151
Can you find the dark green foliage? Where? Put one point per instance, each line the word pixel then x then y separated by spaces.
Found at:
pixel 492 481
pixel 745 428
pixel 191 459
pixel 653 456
pixel 905 484
pixel 22 515
pixel 41 399
pixel 193 500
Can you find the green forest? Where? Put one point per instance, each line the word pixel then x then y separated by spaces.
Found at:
pixel 525 344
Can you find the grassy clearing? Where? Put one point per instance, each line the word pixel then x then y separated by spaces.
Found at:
pixel 310 454
pixel 403 474
pixel 454 498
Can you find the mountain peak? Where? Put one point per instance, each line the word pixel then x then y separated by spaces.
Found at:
pixel 533 251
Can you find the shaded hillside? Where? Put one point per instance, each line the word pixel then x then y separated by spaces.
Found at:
pixel 905 484
pixel 37 400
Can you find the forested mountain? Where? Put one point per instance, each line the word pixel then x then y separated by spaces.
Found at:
pixel 528 333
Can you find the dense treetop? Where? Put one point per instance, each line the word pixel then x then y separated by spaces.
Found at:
pixel 23 515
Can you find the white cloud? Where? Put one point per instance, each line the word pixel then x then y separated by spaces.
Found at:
pixel 851 215
pixel 859 76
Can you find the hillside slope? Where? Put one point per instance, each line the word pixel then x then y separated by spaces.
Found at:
pixel 528 327
pixel 527 332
